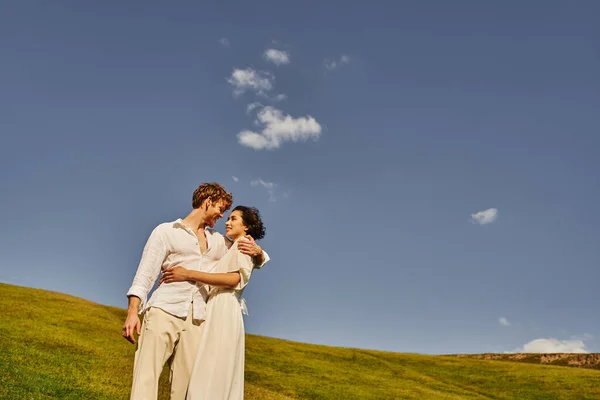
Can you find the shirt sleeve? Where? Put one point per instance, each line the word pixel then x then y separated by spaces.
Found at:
pixel 266 260
pixel 241 263
pixel 151 262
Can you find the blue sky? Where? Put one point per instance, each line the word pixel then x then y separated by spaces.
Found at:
pixel 376 135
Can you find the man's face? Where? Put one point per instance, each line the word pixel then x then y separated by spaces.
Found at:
pixel 214 212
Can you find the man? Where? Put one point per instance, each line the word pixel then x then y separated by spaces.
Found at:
pixel 175 311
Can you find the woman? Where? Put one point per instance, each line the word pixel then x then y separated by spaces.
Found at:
pixel 218 371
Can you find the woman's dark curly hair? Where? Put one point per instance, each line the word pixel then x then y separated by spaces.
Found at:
pixel 252 221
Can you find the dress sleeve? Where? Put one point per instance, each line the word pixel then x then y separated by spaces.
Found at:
pixel 240 263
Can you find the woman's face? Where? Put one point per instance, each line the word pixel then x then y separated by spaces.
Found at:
pixel 234 227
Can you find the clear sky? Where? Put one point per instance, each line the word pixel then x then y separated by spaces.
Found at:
pixel 427 170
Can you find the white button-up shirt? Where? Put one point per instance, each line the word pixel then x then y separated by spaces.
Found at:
pixel 175 244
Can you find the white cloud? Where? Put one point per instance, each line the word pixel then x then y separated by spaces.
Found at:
pixel 277 57
pixel 252 106
pixel 276 98
pixel 270 186
pixel 278 128
pixel 254 140
pixel 235 178
pixel 553 346
pixel 332 65
pixel 503 321
pixel 266 185
pixel 485 217
pixel 249 79
pixel 224 42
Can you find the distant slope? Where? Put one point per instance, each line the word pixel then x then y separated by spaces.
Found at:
pixel 590 360
pixel 55 346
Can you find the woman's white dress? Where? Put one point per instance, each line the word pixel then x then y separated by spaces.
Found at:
pixel 218 371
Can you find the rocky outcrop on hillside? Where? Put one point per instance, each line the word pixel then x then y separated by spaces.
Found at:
pixel 579 360
pixel 587 360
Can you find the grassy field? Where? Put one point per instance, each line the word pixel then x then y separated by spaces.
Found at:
pixel 55 346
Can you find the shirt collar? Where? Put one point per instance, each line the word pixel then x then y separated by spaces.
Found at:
pixel 209 231
pixel 179 222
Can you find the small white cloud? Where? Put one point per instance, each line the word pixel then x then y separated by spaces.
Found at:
pixel 254 140
pixel 277 57
pixel 485 217
pixel 276 98
pixel 224 42
pixel 503 321
pixel 252 106
pixel 260 182
pixel 553 346
pixel 249 79
pixel 278 128
pixel 235 178
pixel 332 65
pixel 270 186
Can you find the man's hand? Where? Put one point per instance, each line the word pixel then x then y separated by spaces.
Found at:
pixel 175 274
pixel 249 247
pixel 132 324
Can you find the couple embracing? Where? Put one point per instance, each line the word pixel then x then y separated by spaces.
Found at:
pixel 194 318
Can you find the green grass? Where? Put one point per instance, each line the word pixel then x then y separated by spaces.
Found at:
pixel 58 346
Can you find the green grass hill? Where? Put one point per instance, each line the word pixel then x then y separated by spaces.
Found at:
pixel 55 346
